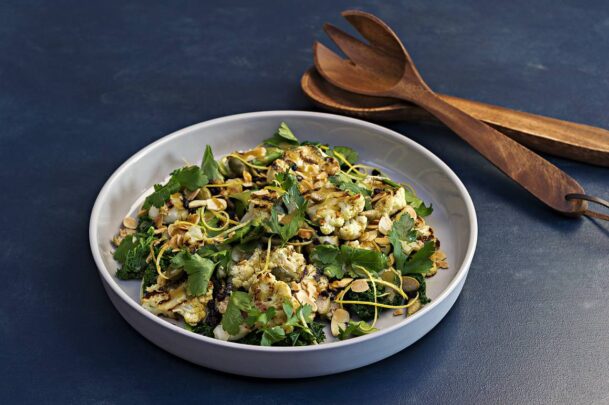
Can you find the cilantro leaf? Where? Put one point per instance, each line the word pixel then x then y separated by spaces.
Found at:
pixel 199 271
pixel 420 261
pixel 209 166
pixel 190 177
pixel 345 183
pixel 283 136
pixel 232 318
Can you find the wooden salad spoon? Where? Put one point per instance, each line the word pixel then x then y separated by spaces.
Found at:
pixel 384 68
pixel 566 139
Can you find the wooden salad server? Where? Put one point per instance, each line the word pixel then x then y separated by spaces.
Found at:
pixel 383 68
pixel 566 139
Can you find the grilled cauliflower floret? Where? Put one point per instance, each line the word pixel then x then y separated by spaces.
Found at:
pixel 353 228
pixel 171 301
pixel 335 211
pixel 267 292
pixel 244 272
pixel 310 287
pixel 307 161
pixel 260 204
pixel 388 205
pixel 287 264
pixel 221 334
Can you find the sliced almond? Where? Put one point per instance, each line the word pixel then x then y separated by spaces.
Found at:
pixel 247 178
pixel 382 241
pixel 193 194
pixel 216 204
pixel 340 317
pixel 305 233
pixel 398 312
pixel 130 223
pixel 369 236
pixel 385 225
pixel 442 264
pixel 336 284
pixel 197 203
pixel 360 285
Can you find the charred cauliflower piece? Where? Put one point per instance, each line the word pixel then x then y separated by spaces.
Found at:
pixel 267 291
pixel 388 205
pixel 308 162
pixel 335 211
pixel 172 301
pixel 287 264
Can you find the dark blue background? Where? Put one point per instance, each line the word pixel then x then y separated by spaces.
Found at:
pixel 84 85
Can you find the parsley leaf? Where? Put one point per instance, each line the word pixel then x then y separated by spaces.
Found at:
pixel 232 318
pixel 336 262
pixel 283 136
pixel 190 178
pixel 415 202
pixel 355 329
pixel 423 210
pixel 345 183
pixel 349 154
pixel 199 271
pixel 400 231
pixel 209 166
pixel 294 220
pixel 272 335
pixel 420 261
pixel 292 198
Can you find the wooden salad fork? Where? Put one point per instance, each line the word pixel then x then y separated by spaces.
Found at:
pixel 383 68
pixel 570 140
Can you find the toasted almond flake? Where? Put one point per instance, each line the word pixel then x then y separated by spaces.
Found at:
pixel 142 213
pixel 359 285
pixel 410 211
pixel 257 152
pixel 398 312
pixel 305 233
pixel 130 223
pixel 382 241
pixel 216 204
pixel 247 177
pixel 323 305
pixel 340 317
pixel 197 203
pixel 336 284
pixel 385 225
pixel 193 218
pixel 414 307
pixel 368 236
pixel 193 194
pixel 442 264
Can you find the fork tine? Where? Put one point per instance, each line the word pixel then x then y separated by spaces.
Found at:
pixel 375 31
pixel 361 53
pixel 339 71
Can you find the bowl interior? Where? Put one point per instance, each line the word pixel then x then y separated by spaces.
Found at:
pixel 453 218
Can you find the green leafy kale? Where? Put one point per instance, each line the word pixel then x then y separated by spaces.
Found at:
pixel 335 262
pixel 190 178
pixel 366 312
pixel 345 183
pixel 284 136
pixel 132 254
pixel 202 328
pixel 150 276
pixel 209 166
pixel 422 287
pixel 199 271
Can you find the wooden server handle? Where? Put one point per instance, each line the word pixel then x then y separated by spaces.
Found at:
pixel 538 176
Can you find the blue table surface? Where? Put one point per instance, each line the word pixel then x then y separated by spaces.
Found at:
pixel 84 85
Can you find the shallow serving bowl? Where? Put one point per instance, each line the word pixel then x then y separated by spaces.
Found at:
pixel 453 219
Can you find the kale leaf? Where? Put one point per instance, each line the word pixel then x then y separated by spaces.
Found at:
pixel 132 254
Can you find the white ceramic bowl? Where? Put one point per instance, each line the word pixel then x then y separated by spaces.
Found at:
pixel 453 219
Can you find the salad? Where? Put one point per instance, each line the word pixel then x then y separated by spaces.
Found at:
pixel 272 245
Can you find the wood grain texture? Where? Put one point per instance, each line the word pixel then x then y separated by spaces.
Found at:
pixel 566 139
pixel 384 68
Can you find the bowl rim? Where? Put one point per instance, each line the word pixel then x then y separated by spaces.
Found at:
pixel 279 114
